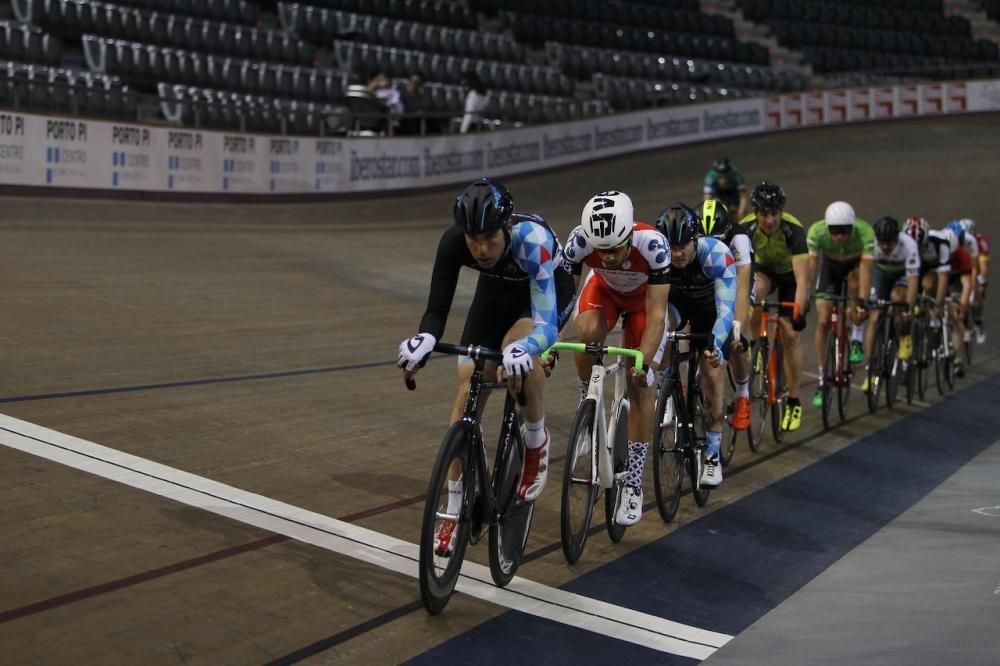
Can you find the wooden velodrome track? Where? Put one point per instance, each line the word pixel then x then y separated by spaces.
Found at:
pixel 253 345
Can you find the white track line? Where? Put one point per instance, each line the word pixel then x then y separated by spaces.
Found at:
pixel 919 403
pixel 353 541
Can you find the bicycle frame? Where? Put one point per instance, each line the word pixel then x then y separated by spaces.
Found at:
pixel 602 465
pixel 772 354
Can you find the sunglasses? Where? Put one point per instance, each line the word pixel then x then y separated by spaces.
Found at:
pixel 840 231
pixel 769 211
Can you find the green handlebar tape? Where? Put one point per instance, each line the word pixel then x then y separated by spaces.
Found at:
pixel 635 354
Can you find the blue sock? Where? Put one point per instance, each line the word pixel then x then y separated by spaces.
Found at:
pixel 714 443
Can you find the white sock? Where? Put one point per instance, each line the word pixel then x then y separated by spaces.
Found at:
pixel 820 379
pixel 584 386
pixel 857 333
pixel 454 496
pixel 534 436
pixel 743 388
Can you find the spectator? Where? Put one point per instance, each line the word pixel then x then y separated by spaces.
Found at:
pixel 381 87
pixel 415 104
pixel 476 100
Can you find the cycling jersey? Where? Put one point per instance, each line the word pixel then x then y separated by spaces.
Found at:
pixel 725 187
pixel 961 262
pixel 904 258
pixel 861 243
pixel 984 247
pixel 775 253
pixel 528 270
pixel 935 254
pixel 648 260
pixel 712 273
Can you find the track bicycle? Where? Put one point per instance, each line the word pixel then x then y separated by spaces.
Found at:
pixel 488 497
pixel 767 375
pixel 597 454
pixel 884 366
pixel 919 366
pixel 837 370
pixel 943 348
pixel 679 431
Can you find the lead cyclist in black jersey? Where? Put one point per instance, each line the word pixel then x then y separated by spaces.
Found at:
pixel 522 300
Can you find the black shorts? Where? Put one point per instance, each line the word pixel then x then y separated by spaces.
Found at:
pixel 833 275
pixel 499 304
pixel 785 285
pixel 701 317
pixel 882 283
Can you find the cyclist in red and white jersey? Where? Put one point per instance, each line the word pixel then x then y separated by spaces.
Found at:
pixel 630 265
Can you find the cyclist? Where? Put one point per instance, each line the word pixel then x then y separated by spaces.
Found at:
pixel 841 247
pixel 935 258
pixel 629 265
pixel 715 222
pixel 521 302
pixel 896 277
pixel 964 267
pixel 982 271
pixel 702 296
pixel 781 262
pixel 727 184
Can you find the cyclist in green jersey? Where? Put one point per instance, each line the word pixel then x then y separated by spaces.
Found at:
pixel 725 183
pixel 841 247
pixel 781 263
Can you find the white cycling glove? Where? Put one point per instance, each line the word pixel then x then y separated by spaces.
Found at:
pixel 413 352
pixel 516 360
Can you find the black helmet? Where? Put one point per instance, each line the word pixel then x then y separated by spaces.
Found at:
pixel 767 196
pixel 483 207
pixel 678 223
pixel 715 219
pixel 886 229
pixel 722 165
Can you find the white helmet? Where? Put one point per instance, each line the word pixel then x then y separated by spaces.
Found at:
pixel 607 220
pixel 968 225
pixel 839 214
pixel 952 238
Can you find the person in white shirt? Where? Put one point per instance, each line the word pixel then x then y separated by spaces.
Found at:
pixel 476 101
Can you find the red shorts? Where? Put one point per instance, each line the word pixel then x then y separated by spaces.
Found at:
pixel 597 295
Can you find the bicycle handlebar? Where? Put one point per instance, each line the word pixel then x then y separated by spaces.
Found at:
pixel 595 348
pixel 476 352
pixel 777 305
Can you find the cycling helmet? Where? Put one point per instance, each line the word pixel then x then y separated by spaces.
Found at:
pixel 607 220
pixel 679 224
pixel 483 207
pixel 839 214
pixel 722 165
pixel 917 228
pixel 968 225
pixel 952 238
pixel 957 228
pixel 714 219
pixel 886 229
pixel 767 196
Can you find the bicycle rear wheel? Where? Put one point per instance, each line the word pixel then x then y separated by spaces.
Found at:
pixel 579 487
pixel 923 357
pixel 729 434
pixel 758 394
pixel 507 540
pixel 699 492
pixel 876 367
pixel 844 376
pixel 620 460
pixel 668 450
pixel 892 369
pixel 829 380
pixel 937 350
pixel 778 408
pixel 439 568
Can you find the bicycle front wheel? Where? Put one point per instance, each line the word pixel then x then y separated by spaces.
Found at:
pixel 758 394
pixel 729 434
pixel 668 451
pixel 876 365
pixel 579 486
pixel 844 376
pixel 892 371
pixel 441 560
pixel 620 461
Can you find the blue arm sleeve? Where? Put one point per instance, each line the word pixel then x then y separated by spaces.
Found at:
pixel 532 246
pixel 717 263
